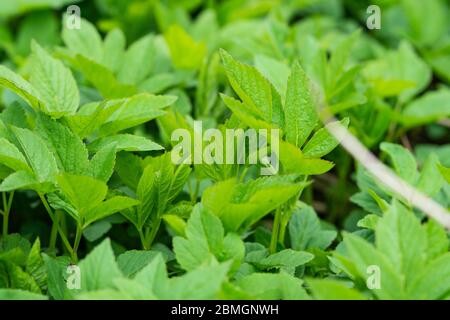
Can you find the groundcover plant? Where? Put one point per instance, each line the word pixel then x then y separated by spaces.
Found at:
pixel 183 149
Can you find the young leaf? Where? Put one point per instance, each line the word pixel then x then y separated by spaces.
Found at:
pixel 300 111
pixel 254 90
pixel 322 141
pixel 54 84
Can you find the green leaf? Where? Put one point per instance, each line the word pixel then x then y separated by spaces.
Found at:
pixel 325 289
pixel 140 60
pixel 97 230
pixel 437 240
pixel 401 238
pixel 125 142
pixel 91 116
pixel 275 71
pixel 434 281
pixel 254 90
pixel 244 114
pixel 19 180
pixel 432 106
pixel 136 110
pixel 35 265
pixel 37 154
pixel 273 286
pixel 370 221
pixel 397 66
pixel 83 192
pixel 103 79
pixel 11 157
pixel 294 161
pixel 186 53
pixel 300 112
pixel 430 180
pixel 20 86
pixel 241 205
pixel 204 237
pixel 69 150
pixel 133 261
pixel 101 166
pixel 56 269
pixel 403 161
pixel 109 207
pixel 287 258
pixel 202 283
pixel 54 84
pixel 114 49
pixel 363 255
pixel 323 142
pixel 445 172
pixel 434 11
pixel 306 232
pixel 99 269
pixel 85 41
pixel 16 294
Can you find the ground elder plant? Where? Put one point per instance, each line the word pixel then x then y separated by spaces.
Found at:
pixel 194 150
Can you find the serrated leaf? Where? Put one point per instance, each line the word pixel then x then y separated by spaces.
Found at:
pixel 99 269
pixel 54 84
pixel 40 159
pixel 101 166
pixel 403 161
pixel 254 90
pixel 300 112
pixel 323 142
pixel 68 149
pixel 305 231
pixel 11 157
pixel 20 86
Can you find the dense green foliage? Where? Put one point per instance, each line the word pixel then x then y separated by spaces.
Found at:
pixel 87 178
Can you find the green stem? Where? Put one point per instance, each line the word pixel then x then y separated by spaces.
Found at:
pixel 5 215
pixel 7 204
pixel 152 235
pixel 52 217
pixel 76 244
pixel 275 231
pixel 54 233
pixel 142 237
pixel 283 226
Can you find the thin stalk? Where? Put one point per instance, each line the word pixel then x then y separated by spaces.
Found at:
pixel 5 215
pixel 7 204
pixel 142 237
pixel 275 231
pixel 283 227
pixel 54 232
pixel 152 234
pixel 52 217
pixel 76 244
